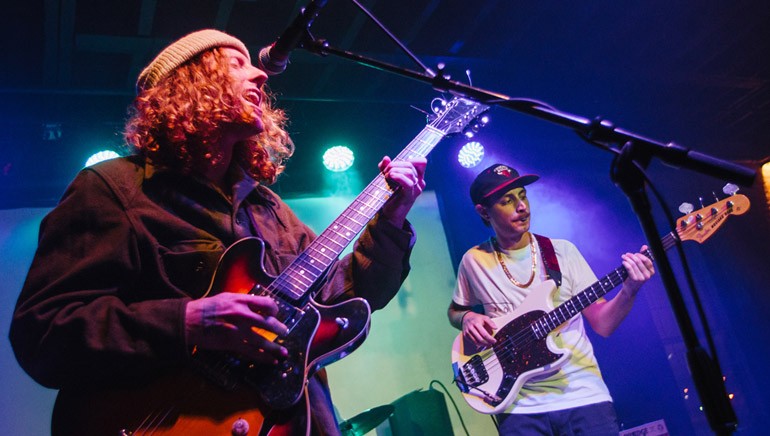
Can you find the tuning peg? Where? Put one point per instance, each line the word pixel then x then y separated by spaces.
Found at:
pixel 730 189
pixel 441 67
pixel 686 208
pixel 438 105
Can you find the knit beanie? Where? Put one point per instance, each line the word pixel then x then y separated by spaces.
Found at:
pixel 182 51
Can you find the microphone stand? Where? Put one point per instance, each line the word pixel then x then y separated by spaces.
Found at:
pixel 635 154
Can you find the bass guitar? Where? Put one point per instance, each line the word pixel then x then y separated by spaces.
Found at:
pixel 490 378
pixel 224 394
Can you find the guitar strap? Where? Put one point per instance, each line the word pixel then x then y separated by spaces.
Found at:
pixel 549 258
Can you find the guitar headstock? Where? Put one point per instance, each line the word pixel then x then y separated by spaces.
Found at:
pixel 701 224
pixel 457 115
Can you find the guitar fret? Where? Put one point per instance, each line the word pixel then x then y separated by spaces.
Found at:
pixel 604 283
pixel 347 214
pixel 321 255
pixel 558 316
pixel 309 264
pixel 331 242
pixel 618 278
pixel 291 278
pixel 541 327
pixel 364 208
pixel 577 303
pixel 345 224
pixel 347 234
pixel 301 272
pixel 583 304
pixel 299 279
pixel 570 308
pixel 377 197
pixel 535 330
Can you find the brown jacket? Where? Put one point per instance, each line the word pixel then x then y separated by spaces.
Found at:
pixel 129 245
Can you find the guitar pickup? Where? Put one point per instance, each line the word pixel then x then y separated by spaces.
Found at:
pixel 474 372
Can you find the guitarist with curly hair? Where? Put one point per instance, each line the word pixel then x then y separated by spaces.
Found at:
pixel 113 314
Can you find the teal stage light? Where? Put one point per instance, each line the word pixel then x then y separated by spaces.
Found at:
pixel 338 158
pixel 100 156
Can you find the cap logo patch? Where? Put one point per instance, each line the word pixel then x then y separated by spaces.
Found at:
pixel 502 170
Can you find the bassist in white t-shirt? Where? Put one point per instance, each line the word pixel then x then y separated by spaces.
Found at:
pixel 537 374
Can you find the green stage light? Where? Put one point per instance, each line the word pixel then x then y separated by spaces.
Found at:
pixel 338 158
pixel 100 156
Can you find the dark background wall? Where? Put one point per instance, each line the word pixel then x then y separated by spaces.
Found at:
pixel 693 73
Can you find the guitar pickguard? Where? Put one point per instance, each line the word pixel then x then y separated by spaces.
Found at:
pixel 492 378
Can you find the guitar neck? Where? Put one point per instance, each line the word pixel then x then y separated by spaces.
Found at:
pixel 695 226
pixel 302 273
pixel 548 322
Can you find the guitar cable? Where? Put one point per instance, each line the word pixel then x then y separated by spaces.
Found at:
pixel 457 410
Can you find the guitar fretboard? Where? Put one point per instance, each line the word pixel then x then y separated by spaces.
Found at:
pixel 309 266
pixel 549 321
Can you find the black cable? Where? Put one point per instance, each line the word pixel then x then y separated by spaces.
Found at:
pixel 462 422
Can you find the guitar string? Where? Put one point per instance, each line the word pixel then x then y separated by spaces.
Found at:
pixel 668 241
pixel 272 289
pixel 155 419
pixel 192 390
pixel 431 132
pixel 526 336
pixel 420 146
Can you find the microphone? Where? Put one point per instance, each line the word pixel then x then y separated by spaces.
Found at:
pixel 273 58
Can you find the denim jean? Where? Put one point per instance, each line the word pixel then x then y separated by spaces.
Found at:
pixel 592 420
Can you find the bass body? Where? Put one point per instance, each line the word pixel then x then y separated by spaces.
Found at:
pixel 490 378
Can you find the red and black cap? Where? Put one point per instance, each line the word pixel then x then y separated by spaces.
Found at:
pixel 497 179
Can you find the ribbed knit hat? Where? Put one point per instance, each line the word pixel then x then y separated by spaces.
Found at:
pixel 182 51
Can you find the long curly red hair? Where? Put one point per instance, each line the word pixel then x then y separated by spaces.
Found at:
pixel 177 123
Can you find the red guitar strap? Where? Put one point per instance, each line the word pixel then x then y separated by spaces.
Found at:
pixel 549 258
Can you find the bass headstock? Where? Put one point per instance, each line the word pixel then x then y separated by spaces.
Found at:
pixel 699 225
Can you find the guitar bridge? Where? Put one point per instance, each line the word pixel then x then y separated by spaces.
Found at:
pixel 474 372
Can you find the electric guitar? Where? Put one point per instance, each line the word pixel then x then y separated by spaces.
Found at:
pixel 490 378
pixel 225 395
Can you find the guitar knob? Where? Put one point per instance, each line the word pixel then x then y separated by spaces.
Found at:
pixel 240 427
pixel 342 322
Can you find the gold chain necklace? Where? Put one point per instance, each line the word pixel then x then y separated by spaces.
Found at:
pixel 498 252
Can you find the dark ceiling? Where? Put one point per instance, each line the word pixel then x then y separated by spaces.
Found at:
pixel 694 72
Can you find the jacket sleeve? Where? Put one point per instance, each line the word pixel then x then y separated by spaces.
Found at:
pixel 80 316
pixel 375 269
